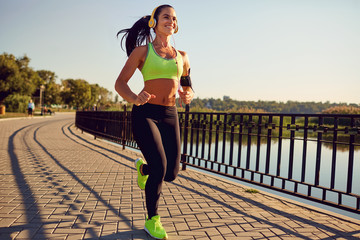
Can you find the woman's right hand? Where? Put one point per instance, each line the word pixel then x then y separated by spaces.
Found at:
pixel 143 97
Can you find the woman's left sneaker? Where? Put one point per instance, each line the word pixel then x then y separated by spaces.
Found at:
pixel 154 228
pixel 141 179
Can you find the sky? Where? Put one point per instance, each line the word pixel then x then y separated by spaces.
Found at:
pixel 249 50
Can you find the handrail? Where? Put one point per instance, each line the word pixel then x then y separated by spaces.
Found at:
pixel 298 154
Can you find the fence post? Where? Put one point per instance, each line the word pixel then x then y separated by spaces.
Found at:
pixel 124 127
pixel 350 171
pixel 184 154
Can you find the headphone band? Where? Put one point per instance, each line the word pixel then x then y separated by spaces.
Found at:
pixel 152 21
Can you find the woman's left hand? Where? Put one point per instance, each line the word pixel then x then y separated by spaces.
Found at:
pixel 186 95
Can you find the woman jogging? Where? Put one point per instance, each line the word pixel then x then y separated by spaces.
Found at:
pixel 155 122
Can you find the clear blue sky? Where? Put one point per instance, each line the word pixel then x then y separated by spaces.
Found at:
pixel 300 50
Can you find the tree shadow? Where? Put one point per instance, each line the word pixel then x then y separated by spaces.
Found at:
pixel 95 145
pixel 27 196
pixel 35 227
pixel 87 187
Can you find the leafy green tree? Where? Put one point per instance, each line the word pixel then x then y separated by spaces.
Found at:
pixel 105 97
pixel 76 92
pixel 16 103
pixel 100 96
pixel 52 89
pixel 95 93
pixel 16 76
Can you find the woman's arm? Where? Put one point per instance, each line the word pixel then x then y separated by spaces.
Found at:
pixel 135 60
pixel 186 94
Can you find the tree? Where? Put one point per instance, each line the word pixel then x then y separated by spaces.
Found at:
pixel 52 89
pixel 99 96
pixel 76 93
pixel 17 103
pixel 16 76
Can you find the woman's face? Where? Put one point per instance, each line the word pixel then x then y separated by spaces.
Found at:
pixel 167 21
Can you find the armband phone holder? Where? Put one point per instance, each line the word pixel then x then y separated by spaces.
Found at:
pixel 185 81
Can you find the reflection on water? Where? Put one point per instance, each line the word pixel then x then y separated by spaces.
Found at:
pixel 342 140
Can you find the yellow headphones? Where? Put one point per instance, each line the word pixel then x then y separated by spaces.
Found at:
pixel 152 21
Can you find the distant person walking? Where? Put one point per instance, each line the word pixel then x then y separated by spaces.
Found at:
pixel 155 121
pixel 31 108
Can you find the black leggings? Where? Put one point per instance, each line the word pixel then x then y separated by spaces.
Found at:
pixel 156 131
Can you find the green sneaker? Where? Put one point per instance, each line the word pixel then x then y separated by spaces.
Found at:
pixel 154 228
pixel 141 180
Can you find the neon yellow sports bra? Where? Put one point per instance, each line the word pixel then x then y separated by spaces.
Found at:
pixel 156 67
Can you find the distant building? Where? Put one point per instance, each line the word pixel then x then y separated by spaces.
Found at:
pixel 226 98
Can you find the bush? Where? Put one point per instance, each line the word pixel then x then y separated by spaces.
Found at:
pixel 342 110
pixel 16 103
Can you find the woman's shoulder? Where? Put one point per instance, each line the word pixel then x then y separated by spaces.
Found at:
pixel 141 49
pixel 139 52
pixel 183 53
pixel 185 57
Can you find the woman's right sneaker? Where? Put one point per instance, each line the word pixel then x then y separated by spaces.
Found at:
pixel 141 179
pixel 154 228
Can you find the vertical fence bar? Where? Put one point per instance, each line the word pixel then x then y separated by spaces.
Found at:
pixel 303 167
pixel 248 152
pixel 218 122
pixel 318 154
pixel 258 143
pixel 268 145
pixel 210 141
pixel 278 165
pixel 197 129
pixel 124 127
pixel 224 142
pixel 231 139
pixel 351 159
pixel 241 124
pixel 186 126
pixel 333 160
pixel 292 144
pixel 248 143
pixel 118 127
pixel 203 135
pixel 192 124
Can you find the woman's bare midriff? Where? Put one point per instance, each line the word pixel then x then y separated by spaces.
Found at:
pixel 164 90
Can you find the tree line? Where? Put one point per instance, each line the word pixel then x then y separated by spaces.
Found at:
pixel 19 83
pixel 230 105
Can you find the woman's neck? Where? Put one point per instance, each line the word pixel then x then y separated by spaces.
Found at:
pixel 163 41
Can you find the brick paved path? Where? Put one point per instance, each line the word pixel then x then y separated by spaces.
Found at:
pixel 57 183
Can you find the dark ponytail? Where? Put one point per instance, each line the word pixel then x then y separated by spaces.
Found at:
pixel 139 32
pixel 136 35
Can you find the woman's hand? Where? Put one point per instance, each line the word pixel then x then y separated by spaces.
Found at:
pixel 186 95
pixel 143 97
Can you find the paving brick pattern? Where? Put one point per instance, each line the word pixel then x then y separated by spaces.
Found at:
pixel 57 183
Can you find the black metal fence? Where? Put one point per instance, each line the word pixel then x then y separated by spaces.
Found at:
pixel 312 156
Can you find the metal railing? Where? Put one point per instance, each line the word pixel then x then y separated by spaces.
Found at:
pixel 312 156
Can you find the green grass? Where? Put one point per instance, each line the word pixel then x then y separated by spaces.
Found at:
pixel 12 115
pixel 250 190
pixel 19 115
